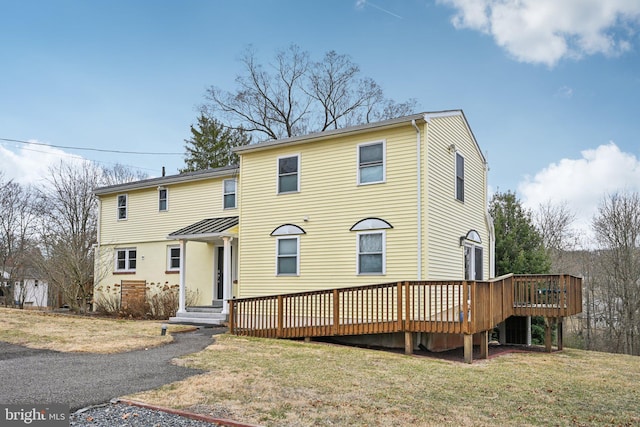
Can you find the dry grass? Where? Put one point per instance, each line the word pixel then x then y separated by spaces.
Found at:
pixel 71 333
pixel 285 383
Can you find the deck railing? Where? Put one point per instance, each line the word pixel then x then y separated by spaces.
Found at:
pixel 457 307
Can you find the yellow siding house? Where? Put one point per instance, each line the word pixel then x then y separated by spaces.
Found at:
pixel 402 199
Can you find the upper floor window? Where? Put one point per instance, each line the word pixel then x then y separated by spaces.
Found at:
pixel 288 168
pixel 126 259
pixel 163 199
pixel 371 163
pixel 122 206
pixel 173 258
pixel 229 193
pixel 459 177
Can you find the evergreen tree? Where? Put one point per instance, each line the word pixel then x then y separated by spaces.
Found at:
pixel 519 246
pixel 211 145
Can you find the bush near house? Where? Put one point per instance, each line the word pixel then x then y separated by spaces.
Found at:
pixel 160 301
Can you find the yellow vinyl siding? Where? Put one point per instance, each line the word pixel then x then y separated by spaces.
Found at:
pixel 333 202
pixel 189 202
pixel 447 219
pixel 151 265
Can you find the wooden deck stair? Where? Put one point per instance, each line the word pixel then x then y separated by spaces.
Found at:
pixel 451 307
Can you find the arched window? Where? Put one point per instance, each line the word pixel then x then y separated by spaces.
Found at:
pixel 371 245
pixel 288 249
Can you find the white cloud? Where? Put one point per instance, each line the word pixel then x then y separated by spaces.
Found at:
pixel 30 164
pixel 564 92
pixel 546 31
pixel 582 183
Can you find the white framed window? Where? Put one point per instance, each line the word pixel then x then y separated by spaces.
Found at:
pixel 126 259
pixel 371 252
pixel 163 199
pixel 123 202
pixel 288 256
pixel 173 258
pixel 229 193
pixel 371 162
pixel 289 174
pixel 459 177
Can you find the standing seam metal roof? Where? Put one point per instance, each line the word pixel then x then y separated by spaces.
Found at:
pixel 207 226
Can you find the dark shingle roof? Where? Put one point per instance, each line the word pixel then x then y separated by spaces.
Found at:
pixel 206 227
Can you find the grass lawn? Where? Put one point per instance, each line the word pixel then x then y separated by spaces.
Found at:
pixel 64 332
pixel 290 383
pixel 287 383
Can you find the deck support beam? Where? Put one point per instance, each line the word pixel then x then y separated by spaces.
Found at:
pixel 484 345
pixel 468 348
pixel 559 333
pixel 547 333
pixel 408 343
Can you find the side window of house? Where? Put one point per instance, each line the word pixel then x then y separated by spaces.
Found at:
pixel 163 199
pixel 371 245
pixel 122 206
pixel 371 163
pixel 459 177
pixel 229 193
pixel 288 168
pixel 288 256
pixel 126 259
pixel 173 258
pixel 288 249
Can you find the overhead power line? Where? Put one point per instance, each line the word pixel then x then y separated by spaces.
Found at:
pixel 90 149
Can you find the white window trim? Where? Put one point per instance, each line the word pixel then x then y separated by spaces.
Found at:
pixel 384 161
pixel 126 207
pixel 169 248
pixel 384 252
pixel 278 174
pixel 472 267
pixel 127 268
pixel 455 177
pixel 166 199
pixel 235 194
pixel 297 238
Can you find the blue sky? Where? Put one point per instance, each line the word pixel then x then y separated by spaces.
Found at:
pixel 551 88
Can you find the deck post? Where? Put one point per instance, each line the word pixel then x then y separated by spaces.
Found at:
pixel 484 345
pixel 468 348
pixel 307 340
pixel 559 333
pixel 232 322
pixel 280 333
pixel 547 334
pixel 408 342
pixel 336 311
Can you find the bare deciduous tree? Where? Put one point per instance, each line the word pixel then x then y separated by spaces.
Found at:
pixel 617 230
pixel 17 244
pixel 554 223
pixel 295 96
pixel 68 230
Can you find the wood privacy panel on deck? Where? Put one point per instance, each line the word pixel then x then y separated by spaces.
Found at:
pixel 132 292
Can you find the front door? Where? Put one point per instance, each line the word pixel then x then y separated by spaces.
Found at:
pixel 219 291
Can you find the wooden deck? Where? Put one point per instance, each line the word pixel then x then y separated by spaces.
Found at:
pixel 450 307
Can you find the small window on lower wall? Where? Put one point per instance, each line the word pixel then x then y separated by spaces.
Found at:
pixel 173 258
pixel 126 260
pixel 371 252
pixel 287 262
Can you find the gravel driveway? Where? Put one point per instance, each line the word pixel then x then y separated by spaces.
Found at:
pixel 79 380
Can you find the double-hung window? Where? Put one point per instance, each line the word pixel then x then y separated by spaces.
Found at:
pixel 173 258
pixel 288 256
pixel 288 174
pixel 459 177
pixel 371 259
pixel 122 206
pixel 163 199
pixel 126 259
pixel 371 163
pixel 229 193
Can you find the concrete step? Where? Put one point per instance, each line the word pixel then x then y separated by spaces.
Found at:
pixel 199 318
pixel 204 309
